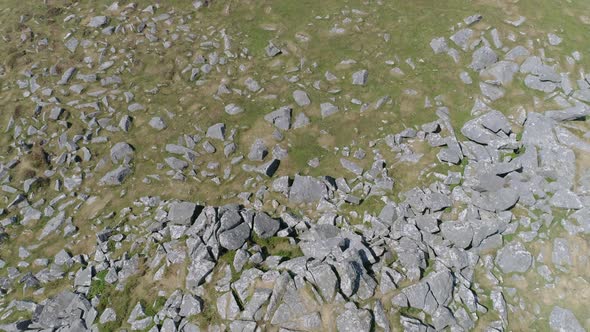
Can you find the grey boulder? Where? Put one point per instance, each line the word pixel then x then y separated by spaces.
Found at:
pixel 183 213
pixel 563 320
pixel 265 226
pixel 306 189
pixel 514 258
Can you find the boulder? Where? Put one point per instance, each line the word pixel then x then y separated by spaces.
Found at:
pixel 306 189
pixel 514 258
pixel 183 213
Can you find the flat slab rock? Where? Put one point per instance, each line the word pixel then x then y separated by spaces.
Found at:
pixel 307 189
pixel 514 257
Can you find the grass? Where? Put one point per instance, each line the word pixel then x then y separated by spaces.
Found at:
pixel 278 246
pixel 98 285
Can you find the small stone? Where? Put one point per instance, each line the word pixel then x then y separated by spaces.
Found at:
pixel 157 123
pixel 360 77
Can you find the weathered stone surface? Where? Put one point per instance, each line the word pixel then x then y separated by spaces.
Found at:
pixel 183 213
pixel 354 320
pixel 360 77
pixel 483 57
pixel 116 176
pixel 562 319
pixel 217 131
pixel 265 226
pixel 301 98
pixel 566 199
pixel 306 189
pixel 121 151
pixel 514 258
pixel 328 109
pixel 281 118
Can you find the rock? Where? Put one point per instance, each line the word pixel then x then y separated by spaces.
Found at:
pixel 497 201
pixel 483 57
pixel 561 252
pixel 465 78
pixel 198 270
pixel 437 202
pixel 471 20
pixel 502 71
pixel 108 315
pixel 281 118
pixel 360 77
pixel 495 122
pixel 462 37
pixel 554 39
pixel 301 120
pixel 351 166
pixel 516 53
pixel 233 109
pixel 67 76
pixel 52 225
pixel 252 84
pixel 439 45
pixel 496 38
pixel 115 177
pixel 354 320
pixel 234 238
pixel 535 83
pixel 272 50
pixel 216 131
pixel 578 112
pixel 566 199
pixel 190 305
pixel 72 44
pixel 183 213
pixel 562 320
pixel 301 98
pixel 265 226
pixel 458 232
pixel 328 109
pixel 582 94
pixel 306 189
pixel 56 113
pixel 269 168
pixel 176 163
pixel 83 277
pixel 326 281
pixel 61 310
pixel 441 285
pixel 98 21
pixel 258 150
pixel 157 123
pixel 514 257
pixel 491 91
pixel 499 304
pixel 121 152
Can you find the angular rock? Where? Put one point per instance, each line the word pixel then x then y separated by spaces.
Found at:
pixel 115 177
pixel 328 109
pixel 183 213
pixel 514 258
pixel 301 98
pixel 360 77
pixel 562 320
pixel 306 189
pixel 265 226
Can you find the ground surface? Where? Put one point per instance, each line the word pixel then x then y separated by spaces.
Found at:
pixel 294 165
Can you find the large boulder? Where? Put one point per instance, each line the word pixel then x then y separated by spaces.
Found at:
pixel 514 258
pixel 265 226
pixel 183 213
pixel 563 320
pixel 306 189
